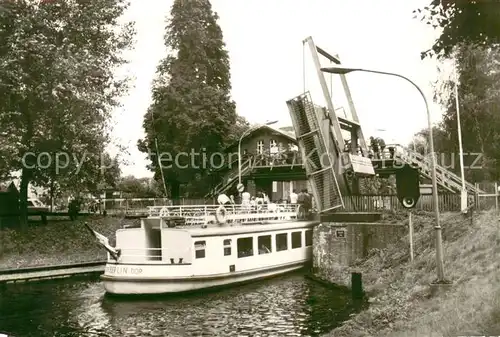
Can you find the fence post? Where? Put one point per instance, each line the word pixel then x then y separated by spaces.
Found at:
pixel 496 196
pixel 476 195
pixel 410 230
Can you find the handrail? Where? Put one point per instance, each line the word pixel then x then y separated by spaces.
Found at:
pixel 231 176
pixel 453 179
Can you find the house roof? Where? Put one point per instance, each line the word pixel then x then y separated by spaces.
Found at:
pixel 284 133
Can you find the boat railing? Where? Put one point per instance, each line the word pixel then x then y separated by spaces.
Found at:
pixel 205 214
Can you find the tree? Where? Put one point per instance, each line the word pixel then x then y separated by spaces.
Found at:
pixel 479 99
pixel 471 38
pixel 139 187
pixel 57 87
pixel 191 112
pixel 463 22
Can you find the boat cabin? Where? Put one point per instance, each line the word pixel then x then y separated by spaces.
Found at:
pixel 216 248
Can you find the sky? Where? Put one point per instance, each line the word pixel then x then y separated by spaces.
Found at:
pixel 264 40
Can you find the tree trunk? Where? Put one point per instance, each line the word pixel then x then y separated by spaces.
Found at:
pixel 175 191
pixel 51 195
pixel 23 199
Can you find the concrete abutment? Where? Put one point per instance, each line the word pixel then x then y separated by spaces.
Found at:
pixel 337 245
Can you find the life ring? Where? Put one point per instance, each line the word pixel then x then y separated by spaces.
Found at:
pixel 220 215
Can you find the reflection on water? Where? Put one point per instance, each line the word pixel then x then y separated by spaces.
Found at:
pixel 286 306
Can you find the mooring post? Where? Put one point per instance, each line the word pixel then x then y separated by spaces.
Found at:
pixel 356 286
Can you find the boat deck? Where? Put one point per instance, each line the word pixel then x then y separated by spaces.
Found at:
pixel 216 216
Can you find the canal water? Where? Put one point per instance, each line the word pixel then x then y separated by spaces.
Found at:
pixel 290 305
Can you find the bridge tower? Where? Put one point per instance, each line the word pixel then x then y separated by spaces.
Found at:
pixel 332 167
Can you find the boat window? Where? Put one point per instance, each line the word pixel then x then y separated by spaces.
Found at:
pixel 309 237
pixel 245 247
pixel 199 248
pixel 227 247
pixel 281 242
pixel 296 240
pixel 264 243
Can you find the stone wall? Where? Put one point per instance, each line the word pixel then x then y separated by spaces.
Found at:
pixel 336 246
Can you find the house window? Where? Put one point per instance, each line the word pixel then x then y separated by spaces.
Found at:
pixel 260 147
pixel 245 247
pixel 273 146
pixel 296 240
pixel 227 247
pixel 281 242
pixel 309 237
pixel 199 248
pixel 264 243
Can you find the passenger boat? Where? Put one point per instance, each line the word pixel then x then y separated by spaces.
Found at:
pixel 185 248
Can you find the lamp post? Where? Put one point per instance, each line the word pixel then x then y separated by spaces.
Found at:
pixel 239 144
pixel 439 241
pixel 463 197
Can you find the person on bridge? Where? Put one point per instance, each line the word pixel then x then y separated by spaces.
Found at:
pixel 381 143
pixel 375 147
pixel 392 149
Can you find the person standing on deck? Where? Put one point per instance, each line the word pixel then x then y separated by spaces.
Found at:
pixel 245 200
pixel 293 197
pixel 301 201
pixel 223 199
pixel 305 201
pixel 259 198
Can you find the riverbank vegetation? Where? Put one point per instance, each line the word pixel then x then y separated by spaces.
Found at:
pixel 61 242
pixel 401 302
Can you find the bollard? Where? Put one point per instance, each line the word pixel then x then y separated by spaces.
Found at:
pixel 356 286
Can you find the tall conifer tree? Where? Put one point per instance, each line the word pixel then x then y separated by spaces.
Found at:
pixel 192 110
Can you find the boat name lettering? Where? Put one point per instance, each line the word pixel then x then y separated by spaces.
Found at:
pixel 123 270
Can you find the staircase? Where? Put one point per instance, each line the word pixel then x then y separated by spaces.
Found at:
pixel 445 178
pixel 231 178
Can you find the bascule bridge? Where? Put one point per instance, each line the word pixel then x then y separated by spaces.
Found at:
pixel 330 153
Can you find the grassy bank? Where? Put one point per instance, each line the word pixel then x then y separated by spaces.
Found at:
pixel 59 242
pixel 399 292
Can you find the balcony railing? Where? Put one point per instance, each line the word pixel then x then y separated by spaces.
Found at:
pixel 282 158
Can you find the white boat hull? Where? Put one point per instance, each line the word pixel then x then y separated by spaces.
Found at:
pixel 125 285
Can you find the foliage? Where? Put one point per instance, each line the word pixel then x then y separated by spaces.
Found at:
pixel 470 37
pixel 57 88
pixel 191 111
pixel 479 100
pixel 139 187
pixel 479 103
pixel 377 186
pixel 463 22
